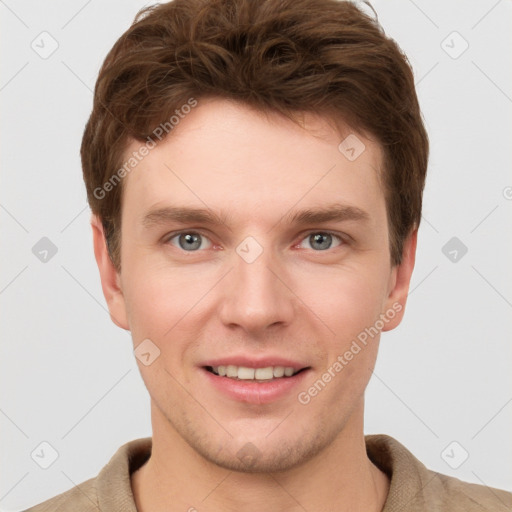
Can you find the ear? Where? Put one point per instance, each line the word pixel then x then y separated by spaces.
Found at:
pixel 399 282
pixel 110 278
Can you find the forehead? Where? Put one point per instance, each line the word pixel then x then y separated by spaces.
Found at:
pixel 227 157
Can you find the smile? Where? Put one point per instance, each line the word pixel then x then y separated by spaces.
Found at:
pixel 246 373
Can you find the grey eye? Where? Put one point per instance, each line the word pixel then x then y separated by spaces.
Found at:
pixel 321 240
pixel 188 241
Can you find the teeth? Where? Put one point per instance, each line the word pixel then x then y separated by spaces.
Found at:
pixel 245 373
pixel 279 371
pixel 264 373
pixel 231 371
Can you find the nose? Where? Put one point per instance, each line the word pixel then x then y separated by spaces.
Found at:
pixel 256 294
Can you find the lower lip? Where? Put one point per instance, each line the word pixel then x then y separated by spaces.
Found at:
pixel 255 392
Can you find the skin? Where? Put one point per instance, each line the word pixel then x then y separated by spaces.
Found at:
pixel 294 300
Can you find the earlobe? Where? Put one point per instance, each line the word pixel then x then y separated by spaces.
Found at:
pixel 400 280
pixel 110 278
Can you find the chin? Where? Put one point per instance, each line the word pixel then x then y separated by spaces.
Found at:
pixel 264 454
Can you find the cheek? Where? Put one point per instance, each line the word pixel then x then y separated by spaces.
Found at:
pixel 346 300
pixel 167 306
pixel 350 306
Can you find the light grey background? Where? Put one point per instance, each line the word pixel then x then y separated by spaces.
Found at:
pixel 68 374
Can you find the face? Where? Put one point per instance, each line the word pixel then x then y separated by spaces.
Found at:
pixel 251 243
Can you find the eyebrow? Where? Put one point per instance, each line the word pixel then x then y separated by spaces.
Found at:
pixel 186 215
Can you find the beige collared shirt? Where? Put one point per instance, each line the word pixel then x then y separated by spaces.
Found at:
pixel 413 488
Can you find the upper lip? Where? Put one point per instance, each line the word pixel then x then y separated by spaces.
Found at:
pixel 255 362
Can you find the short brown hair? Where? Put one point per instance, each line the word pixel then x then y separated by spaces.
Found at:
pixel 286 56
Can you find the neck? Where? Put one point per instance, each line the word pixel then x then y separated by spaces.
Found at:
pixel 341 477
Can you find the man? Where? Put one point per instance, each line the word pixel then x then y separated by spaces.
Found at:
pixel 255 172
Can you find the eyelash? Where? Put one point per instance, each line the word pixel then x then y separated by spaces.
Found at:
pixel 342 238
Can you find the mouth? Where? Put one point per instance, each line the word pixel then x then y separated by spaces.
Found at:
pixel 259 385
pixel 262 374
